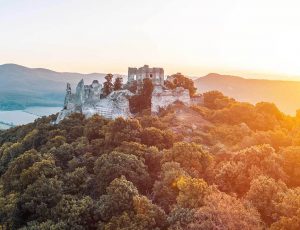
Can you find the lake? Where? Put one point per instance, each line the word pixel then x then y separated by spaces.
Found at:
pixel 28 115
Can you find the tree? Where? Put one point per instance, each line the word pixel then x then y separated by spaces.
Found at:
pixel 179 80
pixel 116 164
pixel 269 109
pixel 191 192
pixel 74 212
pixel 94 127
pixel 291 164
pixel 191 157
pixel 145 215
pixel 243 166
pixel 39 198
pixel 11 178
pixel 46 225
pixel 216 100
pixel 45 168
pixel 9 212
pixel 156 137
pixel 217 211
pixel 132 87
pixel 108 85
pixel 264 193
pixel 118 83
pixel 222 211
pixel 77 182
pixel 120 130
pixel 151 155
pixel 142 101
pixel 288 208
pixel 165 190
pixel 287 223
pixel 118 198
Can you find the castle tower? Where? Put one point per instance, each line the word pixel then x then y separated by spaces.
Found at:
pixel 139 74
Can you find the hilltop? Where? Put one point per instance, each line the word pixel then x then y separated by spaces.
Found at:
pixel 285 94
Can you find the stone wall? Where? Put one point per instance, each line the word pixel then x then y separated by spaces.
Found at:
pixel 163 98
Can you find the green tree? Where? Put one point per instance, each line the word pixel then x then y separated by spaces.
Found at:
pixel 165 190
pixel 77 182
pixel 151 155
pixel 191 157
pixel 74 212
pixel 9 211
pixel 39 198
pixel 140 102
pixel 145 215
pixel 116 164
pixel 94 127
pixel 191 192
pixel 120 130
pixel 156 137
pixel 11 178
pixel 118 198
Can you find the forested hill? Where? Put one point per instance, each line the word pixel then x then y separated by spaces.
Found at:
pixel 285 94
pixel 224 165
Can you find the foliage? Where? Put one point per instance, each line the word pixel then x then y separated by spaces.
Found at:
pixel 118 84
pixel 179 80
pixel 220 165
pixel 142 101
pixel 108 85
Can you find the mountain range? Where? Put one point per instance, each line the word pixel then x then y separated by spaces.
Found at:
pixel 21 87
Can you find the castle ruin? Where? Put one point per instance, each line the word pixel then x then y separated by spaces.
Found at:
pixel 139 74
pixel 90 99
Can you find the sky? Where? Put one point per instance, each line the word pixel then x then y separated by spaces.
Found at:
pixel 249 38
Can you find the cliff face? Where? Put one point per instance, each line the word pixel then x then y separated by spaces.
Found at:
pixel 87 100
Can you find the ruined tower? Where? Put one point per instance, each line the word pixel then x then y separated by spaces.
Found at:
pixel 156 75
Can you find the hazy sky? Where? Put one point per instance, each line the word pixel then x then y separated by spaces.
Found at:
pixel 251 38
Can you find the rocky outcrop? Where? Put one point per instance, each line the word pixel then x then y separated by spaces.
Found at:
pixel 87 100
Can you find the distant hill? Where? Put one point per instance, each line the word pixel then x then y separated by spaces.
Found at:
pixel 21 87
pixel 285 94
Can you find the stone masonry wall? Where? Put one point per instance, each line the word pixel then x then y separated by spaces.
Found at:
pixel 161 99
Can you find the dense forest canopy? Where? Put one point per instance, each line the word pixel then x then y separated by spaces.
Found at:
pixel 221 165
